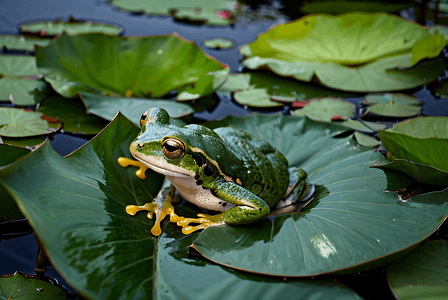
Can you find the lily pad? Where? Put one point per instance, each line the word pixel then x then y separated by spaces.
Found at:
pixel 429 47
pixel 16 122
pixel 72 114
pixel 92 230
pixel 422 273
pixel 255 97
pixel 440 89
pixel 18 65
pixel 366 140
pixel 326 108
pixel 419 172
pixel 363 126
pixel 20 42
pixel 194 10
pixel 135 66
pixel 440 29
pixel 218 43
pixel 23 91
pixel 9 154
pixel 392 105
pixel 236 82
pixel 53 28
pixel 420 140
pixel 20 286
pixel 325 236
pixel 27 143
pixel 132 108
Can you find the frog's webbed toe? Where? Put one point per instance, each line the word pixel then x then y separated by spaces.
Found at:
pixel 203 220
pixel 125 162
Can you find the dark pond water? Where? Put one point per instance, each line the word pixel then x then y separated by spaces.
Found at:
pixel 20 253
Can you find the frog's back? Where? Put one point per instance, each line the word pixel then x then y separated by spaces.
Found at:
pixel 266 173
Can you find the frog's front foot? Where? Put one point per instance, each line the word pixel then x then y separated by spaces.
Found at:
pixel 125 162
pixel 203 220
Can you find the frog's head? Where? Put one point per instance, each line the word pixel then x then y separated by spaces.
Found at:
pixel 168 146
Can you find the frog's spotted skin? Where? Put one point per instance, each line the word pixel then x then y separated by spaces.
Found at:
pixel 225 170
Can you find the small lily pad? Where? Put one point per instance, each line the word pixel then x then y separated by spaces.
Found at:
pixel 236 82
pixel 392 105
pixel 325 108
pixel 20 42
pixel 16 122
pixel 73 115
pixel 204 15
pixel 366 140
pixel 421 140
pixel 218 43
pixel 73 26
pixel 132 108
pixel 422 273
pixel 20 286
pixel 18 65
pixel 363 126
pixel 131 67
pixel 23 91
pixel 419 172
pixel 255 97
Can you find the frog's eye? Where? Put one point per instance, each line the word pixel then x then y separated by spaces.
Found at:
pixel 173 148
pixel 143 118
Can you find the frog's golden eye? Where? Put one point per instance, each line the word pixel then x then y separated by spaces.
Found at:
pixel 173 148
pixel 143 118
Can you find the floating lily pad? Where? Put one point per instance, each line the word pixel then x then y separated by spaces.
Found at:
pixel 10 154
pixel 363 126
pixel 422 273
pixel 73 115
pixel 23 91
pixel 135 66
pixel 255 97
pixel 366 140
pixel 27 143
pixel 218 43
pixel 305 49
pixel 20 286
pixel 216 12
pixel 420 140
pixel 325 236
pixel 19 42
pixel 440 29
pixel 392 105
pixel 429 47
pixel 326 108
pixel 236 82
pixel 16 122
pixel 440 89
pixel 73 26
pixel 419 172
pixel 132 108
pixel 18 65
pixel 338 7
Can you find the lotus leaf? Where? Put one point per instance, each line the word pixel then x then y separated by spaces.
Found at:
pixel 429 47
pixel 366 140
pixel 391 98
pixel 136 66
pixel 71 27
pixel 218 43
pixel 363 126
pixel 326 108
pixel 393 110
pixel 15 65
pixel 23 91
pixel 420 140
pixel 210 12
pixel 16 122
pixel 255 97
pixel 20 286
pixel 77 206
pixel 132 108
pixel 420 172
pixel 440 29
pixel 18 42
pixel 422 273
pixel 349 223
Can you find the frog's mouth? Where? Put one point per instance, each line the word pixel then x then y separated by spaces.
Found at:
pixel 161 166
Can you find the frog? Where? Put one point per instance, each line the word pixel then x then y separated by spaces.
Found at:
pixel 225 170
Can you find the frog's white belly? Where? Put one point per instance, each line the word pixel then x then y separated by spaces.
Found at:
pixel 196 194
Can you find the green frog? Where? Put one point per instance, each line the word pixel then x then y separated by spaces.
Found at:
pixel 225 170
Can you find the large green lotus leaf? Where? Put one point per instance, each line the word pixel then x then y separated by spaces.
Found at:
pixel 429 47
pixel 350 223
pixel 137 66
pixel 422 273
pixel 15 122
pixel 132 108
pixel 19 42
pixel 23 91
pixel 420 140
pixel 420 172
pixel 338 7
pixel 326 108
pixel 350 39
pixel 385 74
pixel 207 12
pixel 181 277
pixel 71 27
pixel 18 65
pixel 73 115
pixel 76 205
pixel 20 286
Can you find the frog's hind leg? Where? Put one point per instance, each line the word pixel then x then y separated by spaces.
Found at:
pixel 299 190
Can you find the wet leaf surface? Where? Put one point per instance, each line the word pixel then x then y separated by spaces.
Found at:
pixel 421 140
pixel 132 108
pixel 15 122
pixel 422 273
pixel 20 286
pixel 136 66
